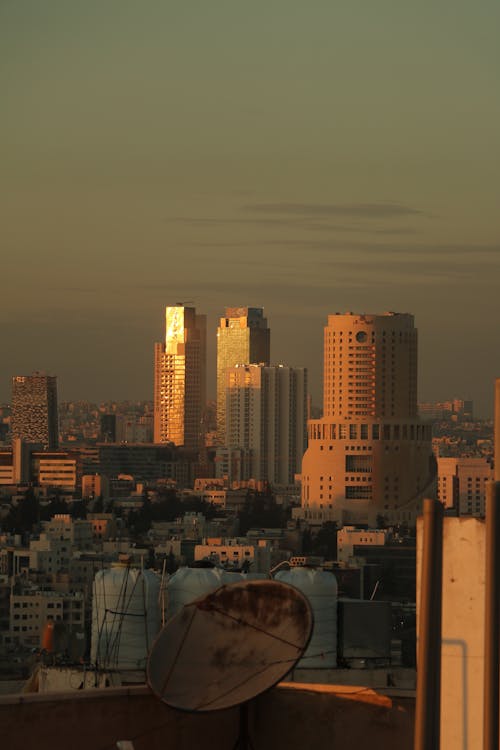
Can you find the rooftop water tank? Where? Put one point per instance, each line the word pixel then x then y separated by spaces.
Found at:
pixel 320 588
pixel 125 617
pixel 187 584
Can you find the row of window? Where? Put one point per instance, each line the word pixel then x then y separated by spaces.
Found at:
pixel 325 431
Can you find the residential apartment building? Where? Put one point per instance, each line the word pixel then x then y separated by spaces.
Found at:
pixel 265 422
pixel 31 610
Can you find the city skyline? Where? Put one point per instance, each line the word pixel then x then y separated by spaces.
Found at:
pixel 118 390
pixel 306 160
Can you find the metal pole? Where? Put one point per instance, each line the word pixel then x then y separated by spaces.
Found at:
pixel 428 715
pixel 492 618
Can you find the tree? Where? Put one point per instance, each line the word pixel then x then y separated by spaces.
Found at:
pixel 24 515
pixel 325 541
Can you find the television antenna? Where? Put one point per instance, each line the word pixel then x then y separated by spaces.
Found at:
pixel 227 647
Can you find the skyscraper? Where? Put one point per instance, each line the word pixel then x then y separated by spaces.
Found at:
pixel 370 454
pixel 180 378
pixel 266 421
pixel 34 409
pixel 242 338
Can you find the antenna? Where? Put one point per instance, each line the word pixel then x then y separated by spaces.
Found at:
pixel 229 646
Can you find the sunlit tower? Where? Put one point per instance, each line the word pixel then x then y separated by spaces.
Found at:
pixel 370 455
pixel 243 337
pixel 180 378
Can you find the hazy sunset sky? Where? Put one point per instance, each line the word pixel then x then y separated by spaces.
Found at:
pixel 307 157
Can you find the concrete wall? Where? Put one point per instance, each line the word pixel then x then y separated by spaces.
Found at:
pixel 462 650
pixel 289 716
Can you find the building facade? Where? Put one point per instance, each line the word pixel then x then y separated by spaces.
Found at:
pixel 369 455
pixel 265 421
pixel 34 409
pixel 180 378
pixel 462 484
pixel 243 337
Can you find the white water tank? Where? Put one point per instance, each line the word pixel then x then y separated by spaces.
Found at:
pixel 320 589
pixel 187 584
pixel 125 617
pixel 230 576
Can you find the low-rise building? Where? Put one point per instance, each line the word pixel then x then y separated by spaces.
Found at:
pixel 31 610
pixel 235 553
pixel 462 484
pixel 349 536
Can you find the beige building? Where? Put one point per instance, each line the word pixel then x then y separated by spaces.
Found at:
pixel 462 484
pixel 242 337
pixel 265 422
pixel 235 553
pixel 103 525
pixel 349 536
pixel 179 381
pixel 56 470
pixel 370 454
pixel 95 485
pixel 30 612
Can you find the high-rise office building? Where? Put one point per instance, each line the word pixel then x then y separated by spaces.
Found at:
pixel 34 409
pixel 180 378
pixel 242 338
pixel 369 455
pixel 266 411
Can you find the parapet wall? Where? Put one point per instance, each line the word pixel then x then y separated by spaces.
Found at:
pixel 289 716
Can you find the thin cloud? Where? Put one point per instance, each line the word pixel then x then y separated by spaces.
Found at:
pixel 305 224
pixel 382 210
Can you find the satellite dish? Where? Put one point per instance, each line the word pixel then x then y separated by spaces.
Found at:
pixel 229 646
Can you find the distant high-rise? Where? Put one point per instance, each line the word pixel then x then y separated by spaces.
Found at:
pixel 242 338
pixel 108 428
pixel 180 378
pixel 370 454
pixel 266 421
pixel 34 409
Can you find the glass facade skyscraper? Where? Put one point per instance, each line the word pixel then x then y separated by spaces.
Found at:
pixel 243 338
pixel 180 378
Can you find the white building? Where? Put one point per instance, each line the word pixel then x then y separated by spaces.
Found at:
pixel 78 532
pixel 265 422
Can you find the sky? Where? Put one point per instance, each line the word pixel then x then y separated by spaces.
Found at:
pixel 305 157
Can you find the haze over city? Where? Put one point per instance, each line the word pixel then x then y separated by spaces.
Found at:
pixel 307 159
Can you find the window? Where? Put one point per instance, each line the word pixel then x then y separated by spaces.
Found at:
pixel 358 492
pixel 363 464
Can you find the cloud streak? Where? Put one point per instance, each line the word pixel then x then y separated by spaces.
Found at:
pixel 305 224
pixel 376 210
